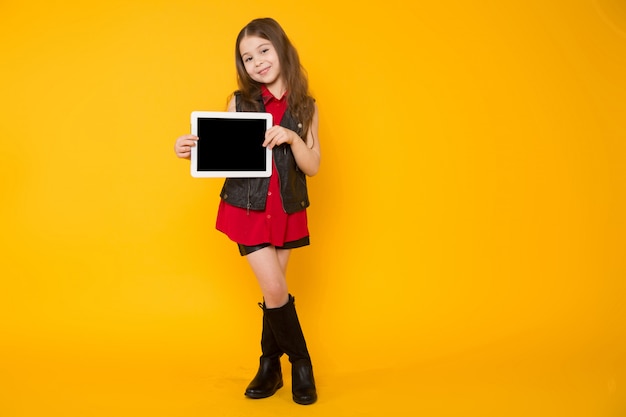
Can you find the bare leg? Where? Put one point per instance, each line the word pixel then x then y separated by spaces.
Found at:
pixel 283 259
pixel 269 266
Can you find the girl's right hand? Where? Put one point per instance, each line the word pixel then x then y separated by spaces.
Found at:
pixel 183 146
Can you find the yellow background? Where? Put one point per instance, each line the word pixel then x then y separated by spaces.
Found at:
pixel 468 232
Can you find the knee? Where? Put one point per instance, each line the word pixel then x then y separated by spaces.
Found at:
pixel 276 297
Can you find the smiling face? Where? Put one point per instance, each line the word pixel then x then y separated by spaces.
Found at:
pixel 260 59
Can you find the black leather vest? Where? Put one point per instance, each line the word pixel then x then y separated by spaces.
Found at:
pixel 251 193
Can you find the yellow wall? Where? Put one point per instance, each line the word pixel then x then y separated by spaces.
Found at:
pixel 471 195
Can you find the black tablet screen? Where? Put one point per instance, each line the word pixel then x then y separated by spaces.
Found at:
pixel 231 144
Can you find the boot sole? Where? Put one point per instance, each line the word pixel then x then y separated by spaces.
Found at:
pixel 307 401
pixel 258 396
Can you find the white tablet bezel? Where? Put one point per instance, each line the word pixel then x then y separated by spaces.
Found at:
pixel 195 115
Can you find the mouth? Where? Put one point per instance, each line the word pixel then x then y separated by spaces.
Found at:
pixel 264 71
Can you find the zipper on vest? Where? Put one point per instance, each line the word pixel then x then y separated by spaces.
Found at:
pixel 249 203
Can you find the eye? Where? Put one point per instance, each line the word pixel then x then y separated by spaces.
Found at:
pixel 247 59
pixel 265 50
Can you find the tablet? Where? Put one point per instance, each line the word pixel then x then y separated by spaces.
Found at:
pixel 230 144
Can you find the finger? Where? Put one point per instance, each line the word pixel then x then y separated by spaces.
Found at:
pixel 275 141
pixel 184 150
pixel 186 140
pixel 186 145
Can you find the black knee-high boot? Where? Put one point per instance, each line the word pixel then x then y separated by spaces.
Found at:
pixel 290 339
pixel 269 377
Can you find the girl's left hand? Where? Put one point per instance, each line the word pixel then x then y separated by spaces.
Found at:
pixel 277 135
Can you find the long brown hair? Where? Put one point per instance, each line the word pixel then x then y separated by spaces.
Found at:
pixel 301 104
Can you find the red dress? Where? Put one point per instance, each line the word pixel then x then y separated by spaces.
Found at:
pixel 272 225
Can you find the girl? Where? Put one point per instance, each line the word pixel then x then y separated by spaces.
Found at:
pixel 267 217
